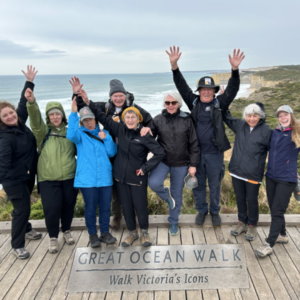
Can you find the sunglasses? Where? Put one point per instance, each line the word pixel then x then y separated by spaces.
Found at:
pixel 171 102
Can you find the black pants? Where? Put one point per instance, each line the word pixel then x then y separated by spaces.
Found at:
pixel 279 194
pixel 246 195
pixel 116 209
pixel 59 199
pixel 134 198
pixel 19 195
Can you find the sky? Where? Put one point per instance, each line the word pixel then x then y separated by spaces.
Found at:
pixel 118 36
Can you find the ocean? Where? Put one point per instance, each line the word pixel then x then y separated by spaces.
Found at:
pixel 148 89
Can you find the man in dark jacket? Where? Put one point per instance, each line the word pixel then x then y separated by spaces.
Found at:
pixel 206 111
pixel 119 100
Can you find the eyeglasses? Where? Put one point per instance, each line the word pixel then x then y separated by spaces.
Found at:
pixel 171 102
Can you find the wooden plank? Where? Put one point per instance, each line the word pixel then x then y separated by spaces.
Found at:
pixel 294 235
pixel 175 239
pixel 129 296
pixel 287 265
pixel 96 296
pixel 5 249
pixel 3 238
pixel 210 295
pixel 247 294
pixel 198 236
pixel 186 236
pixel 149 295
pixel 161 295
pixel 210 236
pixel 177 295
pixel 17 267
pixel 226 294
pixel 162 236
pixel 193 295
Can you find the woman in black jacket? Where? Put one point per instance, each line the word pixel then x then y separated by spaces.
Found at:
pixel 18 161
pixel 247 165
pixel 131 167
pixel 176 133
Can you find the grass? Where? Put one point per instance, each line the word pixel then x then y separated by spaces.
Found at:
pixel 286 73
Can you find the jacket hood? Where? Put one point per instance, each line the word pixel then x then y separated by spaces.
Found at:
pixel 54 104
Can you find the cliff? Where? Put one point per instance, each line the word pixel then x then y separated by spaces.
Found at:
pixel 258 82
pixel 222 78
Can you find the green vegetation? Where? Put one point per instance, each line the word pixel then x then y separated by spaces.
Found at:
pixel 286 73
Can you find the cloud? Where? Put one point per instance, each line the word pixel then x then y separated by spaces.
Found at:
pixel 10 49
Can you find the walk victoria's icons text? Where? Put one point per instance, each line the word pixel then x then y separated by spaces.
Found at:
pixel 158 268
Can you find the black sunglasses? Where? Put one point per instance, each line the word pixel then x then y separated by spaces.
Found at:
pixel 171 102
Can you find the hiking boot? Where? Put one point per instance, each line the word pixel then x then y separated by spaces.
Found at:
pixel 107 238
pixel 173 229
pixel 131 237
pixel 264 250
pixel 282 239
pixel 94 240
pixel 53 245
pixel 239 228
pixel 251 233
pixel 145 238
pixel 170 201
pixel 116 222
pixel 33 235
pixel 200 218
pixel 216 219
pixel 21 253
pixel 68 237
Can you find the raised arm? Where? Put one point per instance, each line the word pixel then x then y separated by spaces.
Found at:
pixel 231 122
pixel 184 90
pixel 73 127
pixel 76 87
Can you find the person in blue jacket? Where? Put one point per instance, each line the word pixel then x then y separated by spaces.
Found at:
pixel 281 176
pixel 93 171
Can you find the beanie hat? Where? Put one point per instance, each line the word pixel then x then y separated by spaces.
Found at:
pixel 55 110
pixel 116 86
pixel 135 110
pixel 86 113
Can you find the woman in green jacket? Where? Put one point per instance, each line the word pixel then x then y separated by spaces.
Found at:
pixel 56 168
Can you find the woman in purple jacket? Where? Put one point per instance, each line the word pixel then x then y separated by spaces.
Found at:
pixel 281 176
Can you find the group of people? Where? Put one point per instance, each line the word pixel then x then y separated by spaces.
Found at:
pixel 112 166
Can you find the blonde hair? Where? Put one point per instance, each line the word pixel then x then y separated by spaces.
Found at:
pixel 295 124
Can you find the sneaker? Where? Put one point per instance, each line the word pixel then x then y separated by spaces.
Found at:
pixel 107 238
pixel 173 229
pixel 94 240
pixel 116 222
pixel 33 235
pixel 239 228
pixel 200 218
pixel 170 201
pixel 251 233
pixel 21 253
pixel 282 239
pixel 131 237
pixel 53 245
pixel 264 250
pixel 216 219
pixel 145 238
pixel 68 237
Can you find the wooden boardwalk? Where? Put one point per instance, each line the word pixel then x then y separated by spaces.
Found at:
pixel 45 275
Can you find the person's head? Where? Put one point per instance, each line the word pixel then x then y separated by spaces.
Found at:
pixel 252 114
pixel 8 115
pixel 55 117
pixel 87 118
pixel 207 89
pixel 284 114
pixel 131 116
pixel 117 92
pixel 172 102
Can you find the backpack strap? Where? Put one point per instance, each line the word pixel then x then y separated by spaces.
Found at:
pixel 49 133
pixel 93 137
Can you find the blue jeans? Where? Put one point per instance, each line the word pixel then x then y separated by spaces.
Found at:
pixel 211 167
pixel 94 197
pixel 156 183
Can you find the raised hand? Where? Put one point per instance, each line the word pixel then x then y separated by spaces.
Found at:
pixel 102 134
pixel 84 96
pixel 29 95
pixel 174 56
pixel 74 107
pixel 30 74
pixel 222 90
pixel 236 59
pixel 75 83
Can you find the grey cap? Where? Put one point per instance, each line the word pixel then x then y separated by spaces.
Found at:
pixel 86 113
pixel 116 86
pixel 285 108
pixel 190 182
pixel 55 110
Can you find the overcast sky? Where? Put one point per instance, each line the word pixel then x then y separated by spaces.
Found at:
pixel 102 37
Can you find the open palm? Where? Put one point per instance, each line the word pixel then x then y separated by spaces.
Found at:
pixel 236 59
pixel 75 83
pixel 174 55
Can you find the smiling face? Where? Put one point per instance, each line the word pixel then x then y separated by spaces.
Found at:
pixel 9 116
pixel 284 119
pixel 131 120
pixel 118 99
pixel 207 94
pixel 55 119
pixel 252 119
pixel 89 123
pixel 171 105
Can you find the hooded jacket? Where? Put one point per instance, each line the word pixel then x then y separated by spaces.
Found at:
pixel 57 158
pixel 177 135
pixel 93 165
pixel 250 148
pixel 217 106
pixel 133 150
pixel 18 155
